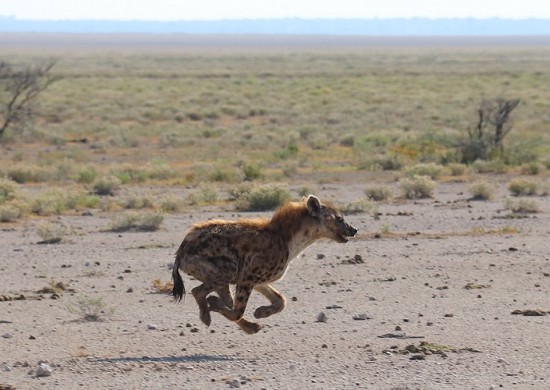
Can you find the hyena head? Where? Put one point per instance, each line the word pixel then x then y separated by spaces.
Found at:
pixel 331 222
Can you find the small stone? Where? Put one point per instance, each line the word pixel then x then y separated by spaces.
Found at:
pixel 294 299
pixel 7 335
pixel 398 328
pixel 321 317
pixel 194 330
pixel 320 256
pixel 234 383
pixel 130 290
pixel 152 327
pixel 418 357
pixel 449 315
pixel 360 317
pixel 31 337
pixel 43 369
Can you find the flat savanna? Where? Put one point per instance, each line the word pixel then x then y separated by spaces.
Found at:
pixel 445 286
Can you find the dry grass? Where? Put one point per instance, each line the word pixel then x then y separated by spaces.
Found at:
pixel 265 116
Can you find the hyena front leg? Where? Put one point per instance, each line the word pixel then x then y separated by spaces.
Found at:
pixel 235 313
pixel 277 300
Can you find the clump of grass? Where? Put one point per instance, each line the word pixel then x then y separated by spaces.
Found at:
pixel 9 213
pixel 49 202
pixel 262 198
pixel 8 190
pixel 86 175
pixel 171 204
pixel 204 196
pixel 91 309
pixel 135 201
pixel 417 187
pixel 358 206
pixel 146 222
pixel 251 171
pixel 57 200
pixel 162 288
pixel 482 191
pixel 520 187
pixel 457 169
pixel 26 173
pixel 51 233
pixel 484 166
pixel 522 206
pixel 533 168
pixel 378 193
pixel 106 185
pixel 430 170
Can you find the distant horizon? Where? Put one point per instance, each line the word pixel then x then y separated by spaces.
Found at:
pixel 413 26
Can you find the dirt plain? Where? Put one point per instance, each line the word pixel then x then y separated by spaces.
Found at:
pixel 422 298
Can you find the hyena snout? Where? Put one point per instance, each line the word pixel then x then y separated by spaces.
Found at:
pixel 345 230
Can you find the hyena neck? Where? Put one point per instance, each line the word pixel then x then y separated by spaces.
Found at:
pixel 295 227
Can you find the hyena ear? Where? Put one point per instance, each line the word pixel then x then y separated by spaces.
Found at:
pixel 313 206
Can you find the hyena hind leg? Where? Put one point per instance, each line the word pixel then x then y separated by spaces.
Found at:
pixel 200 293
pixel 226 296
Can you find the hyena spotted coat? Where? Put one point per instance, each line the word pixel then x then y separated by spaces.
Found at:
pixel 251 254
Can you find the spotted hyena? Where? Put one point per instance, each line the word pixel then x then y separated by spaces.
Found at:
pixel 251 254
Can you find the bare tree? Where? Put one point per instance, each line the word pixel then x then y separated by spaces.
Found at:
pixel 492 113
pixel 20 87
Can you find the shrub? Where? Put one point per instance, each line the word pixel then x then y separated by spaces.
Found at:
pixel 204 196
pixel 136 202
pixel 263 198
pixel 171 204
pixel 91 309
pixel 457 169
pixel 533 168
pixel 8 190
pixel 24 173
pixel 49 202
pixel 417 187
pixel 483 166
pixel 378 193
pixel 9 213
pixel 147 222
pixel 522 187
pixel 86 175
pixel 430 170
pixel 522 206
pixel 51 233
pixel 106 185
pixel 482 191
pixel 251 171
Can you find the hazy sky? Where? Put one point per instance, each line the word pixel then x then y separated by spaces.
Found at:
pixel 237 9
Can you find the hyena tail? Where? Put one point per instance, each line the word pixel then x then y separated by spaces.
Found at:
pixel 179 289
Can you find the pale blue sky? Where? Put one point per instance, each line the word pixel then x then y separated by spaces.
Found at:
pixel 247 9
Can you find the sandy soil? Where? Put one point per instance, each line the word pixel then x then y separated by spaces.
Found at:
pixel 401 319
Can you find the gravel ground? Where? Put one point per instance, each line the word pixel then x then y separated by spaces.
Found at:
pixel 422 298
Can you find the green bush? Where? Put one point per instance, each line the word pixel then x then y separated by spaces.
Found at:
pixel 106 185
pixel 147 222
pixel 51 233
pixel 431 170
pixel 9 213
pixel 482 191
pixel 417 187
pixel 8 190
pixel 520 187
pixel 263 198
pixel 378 193
pixel 522 206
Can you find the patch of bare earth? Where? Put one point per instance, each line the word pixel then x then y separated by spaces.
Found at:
pixel 428 304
